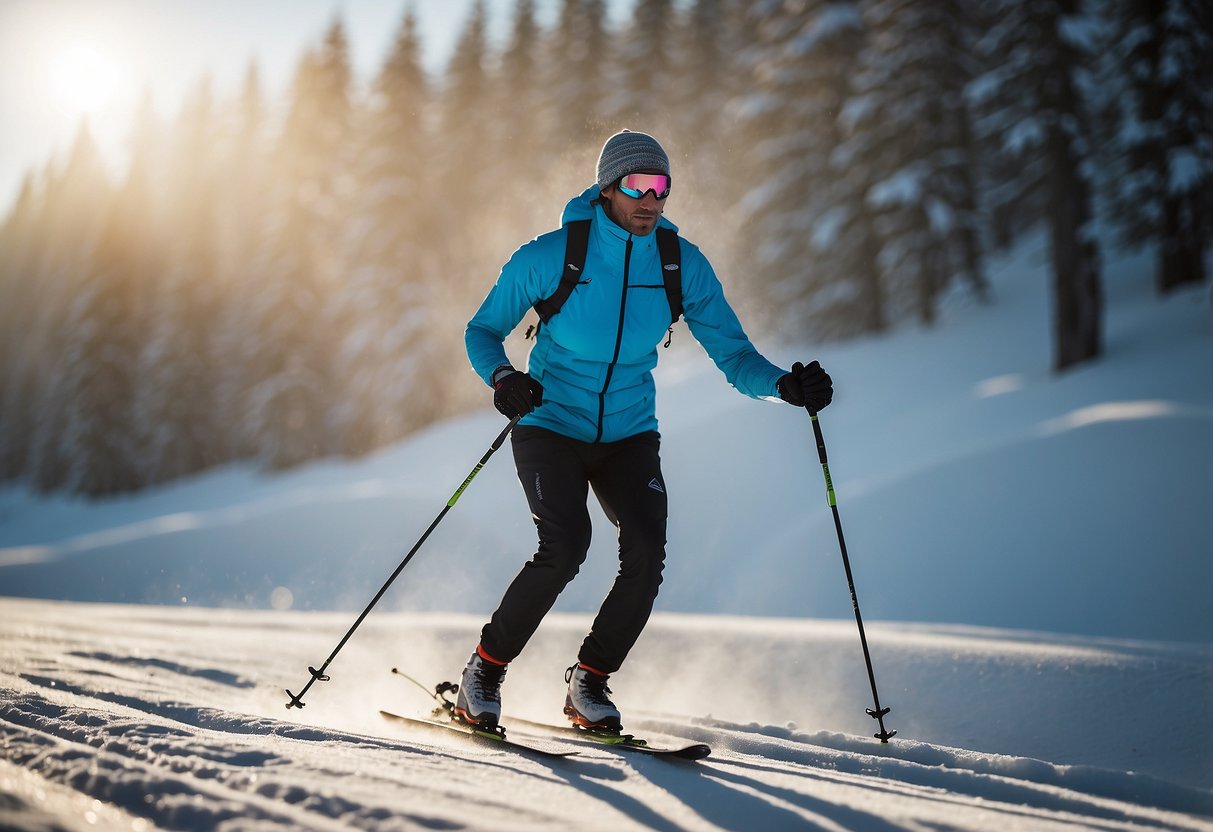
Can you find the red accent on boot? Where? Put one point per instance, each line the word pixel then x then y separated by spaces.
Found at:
pixel 482 653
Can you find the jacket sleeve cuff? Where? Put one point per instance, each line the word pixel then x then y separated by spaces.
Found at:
pixel 500 373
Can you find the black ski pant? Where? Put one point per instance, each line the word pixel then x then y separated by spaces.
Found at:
pixel 556 473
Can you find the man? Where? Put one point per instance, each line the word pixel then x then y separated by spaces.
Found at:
pixel 588 419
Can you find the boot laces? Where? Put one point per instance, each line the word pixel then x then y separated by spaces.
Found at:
pixel 488 679
pixel 595 689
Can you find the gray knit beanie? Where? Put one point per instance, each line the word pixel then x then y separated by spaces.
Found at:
pixel 627 152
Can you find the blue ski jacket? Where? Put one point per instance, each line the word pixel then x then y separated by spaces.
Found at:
pixel 595 357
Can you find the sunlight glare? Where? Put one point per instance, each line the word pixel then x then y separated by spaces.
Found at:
pixel 84 79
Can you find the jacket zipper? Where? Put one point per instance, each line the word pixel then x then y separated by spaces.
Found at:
pixel 623 302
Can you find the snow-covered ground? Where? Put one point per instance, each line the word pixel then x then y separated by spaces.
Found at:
pixel 175 718
pixel 1033 555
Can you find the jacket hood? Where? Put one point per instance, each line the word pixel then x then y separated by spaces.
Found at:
pixel 581 207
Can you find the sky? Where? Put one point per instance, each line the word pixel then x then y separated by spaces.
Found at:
pixel 62 61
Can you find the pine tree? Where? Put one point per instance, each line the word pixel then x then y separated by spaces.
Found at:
pixel 470 248
pixel 845 287
pixel 1161 185
pixel 392 366
pixel 107 326
pixel 518 94
pixel 1035 53
pixel 911 135
pixel 68 228
pixel 289 392
pixel 178 406
pixel 245 181
pixel 701 128
pixel 701 81
pixel 519 132
pixel 18 305
pixel 465 116
pixel 292 366
pixel 811 241
pixel 644 95
pixel 578 82
pixel 326 155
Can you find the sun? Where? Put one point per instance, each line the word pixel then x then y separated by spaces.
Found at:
pixel 84 79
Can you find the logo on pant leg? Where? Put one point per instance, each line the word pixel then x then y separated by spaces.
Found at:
pixel 538 488
pixel 655 484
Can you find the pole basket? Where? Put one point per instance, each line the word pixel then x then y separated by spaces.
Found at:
pixel 882 735
pixel 296 701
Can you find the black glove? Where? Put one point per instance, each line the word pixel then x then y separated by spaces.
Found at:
pixel 809 387
pixel 515 393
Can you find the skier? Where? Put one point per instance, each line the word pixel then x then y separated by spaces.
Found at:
pixel 588 420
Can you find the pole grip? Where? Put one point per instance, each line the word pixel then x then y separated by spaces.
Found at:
pixel 817 436
pixel 831 498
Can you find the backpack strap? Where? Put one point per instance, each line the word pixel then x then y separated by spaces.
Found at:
pixel 671 270
pixel 577 242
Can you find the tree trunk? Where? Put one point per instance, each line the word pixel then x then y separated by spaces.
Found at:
pixel 1181 255
pixel 872 304
pixel 970 243
pixel 1077 296
pixel 930 276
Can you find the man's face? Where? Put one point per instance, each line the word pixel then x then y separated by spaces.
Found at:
pixel 636 216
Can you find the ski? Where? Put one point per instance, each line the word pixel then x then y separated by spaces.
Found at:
pixel 627 742
pixel 489 737
pixel 624 742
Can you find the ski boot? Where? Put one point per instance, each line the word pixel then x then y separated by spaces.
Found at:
pixel 479 700
pixel 588 703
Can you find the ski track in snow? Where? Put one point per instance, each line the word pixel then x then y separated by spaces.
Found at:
pixel 141 717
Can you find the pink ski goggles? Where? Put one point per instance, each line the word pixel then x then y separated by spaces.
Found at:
pixel 636 185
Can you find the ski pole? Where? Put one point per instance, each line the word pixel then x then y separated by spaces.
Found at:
pixel 877 713
pixel 296 701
